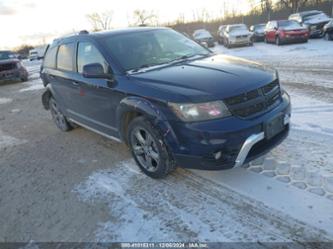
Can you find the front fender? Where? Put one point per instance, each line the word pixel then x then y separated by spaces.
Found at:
pixel 144 107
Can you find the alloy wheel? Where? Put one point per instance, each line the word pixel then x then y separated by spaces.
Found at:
pixel 57 116
pixel 144 148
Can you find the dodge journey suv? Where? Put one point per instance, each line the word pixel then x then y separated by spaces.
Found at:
pixel 172 101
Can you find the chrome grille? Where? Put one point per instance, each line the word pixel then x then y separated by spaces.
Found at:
pixel 256 101
pixel 7 67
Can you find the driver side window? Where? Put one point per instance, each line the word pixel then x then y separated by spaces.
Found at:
pixel 87 54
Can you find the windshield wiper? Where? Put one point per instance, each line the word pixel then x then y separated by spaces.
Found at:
pixel 176 60
pixel 188 56
pixel 145 66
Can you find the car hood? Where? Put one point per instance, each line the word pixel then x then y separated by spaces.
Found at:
pixel 317 20
pixel 201 37
pixel 8 61
pixel 212 78
pixel 260 31
pixel 293 29
pixel 239 32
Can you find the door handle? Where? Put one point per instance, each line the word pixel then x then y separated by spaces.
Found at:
pixel 75 83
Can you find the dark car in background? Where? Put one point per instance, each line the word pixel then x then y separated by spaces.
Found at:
pixel 204 37
pixel 172 101
pixel 328 30
pixel 313 20
pixel 258 31
pixel 11 68
pixel 285 31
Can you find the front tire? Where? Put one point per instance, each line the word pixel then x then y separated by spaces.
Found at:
pixel 58 117
pixel 149 149
pixel 278 41
pixel 227 44
pixel 328 37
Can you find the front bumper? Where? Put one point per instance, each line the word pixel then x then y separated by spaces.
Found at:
pixel 294 38
pixel 237 140
pixel 240 42
pixel 259 37
pixel 14 74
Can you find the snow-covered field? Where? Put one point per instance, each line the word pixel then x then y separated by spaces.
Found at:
pixel 95 191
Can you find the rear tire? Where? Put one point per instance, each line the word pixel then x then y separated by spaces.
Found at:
pixel 149 149
pixel 58 117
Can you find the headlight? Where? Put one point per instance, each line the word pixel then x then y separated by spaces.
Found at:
pixel 200 111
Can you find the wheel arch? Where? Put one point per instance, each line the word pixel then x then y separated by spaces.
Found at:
pixel 132 107
pixel 46 97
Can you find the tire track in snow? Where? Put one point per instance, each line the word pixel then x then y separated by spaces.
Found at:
pixel 183 207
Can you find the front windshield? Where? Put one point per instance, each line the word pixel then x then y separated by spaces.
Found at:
pixel 289 24
pixel 202 33
pixel 236 28
pixel 315 15
pixel 6 55
pixel 260 28
pixel 148 48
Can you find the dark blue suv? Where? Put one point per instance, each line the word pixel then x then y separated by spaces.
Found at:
pixel 172 101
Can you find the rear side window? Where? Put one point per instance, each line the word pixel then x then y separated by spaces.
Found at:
pixel 50 57
pixel 65 57
pixel 88 54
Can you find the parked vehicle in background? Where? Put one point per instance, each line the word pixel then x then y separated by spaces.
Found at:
pixel 237 35
pixel 258 32
pixel 313 20
pixel 220 34
pixel 11 68
pixel 37 53
pixel 203 37
pixel 285 31
pixel 328 30
pixel 172 101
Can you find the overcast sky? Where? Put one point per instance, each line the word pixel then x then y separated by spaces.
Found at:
pixel 36 21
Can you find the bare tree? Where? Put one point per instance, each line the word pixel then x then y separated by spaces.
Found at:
pixel 266 7
pixel 143 17
pixel 201 15
pixel 294 5
pixel 101 21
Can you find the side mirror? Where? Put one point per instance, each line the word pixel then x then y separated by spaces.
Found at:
pixel 95 70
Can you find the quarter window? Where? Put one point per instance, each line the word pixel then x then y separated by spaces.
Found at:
pixel 88 54
pixel 50 57
pixel 65 57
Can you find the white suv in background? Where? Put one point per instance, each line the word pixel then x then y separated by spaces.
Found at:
pixel 237 34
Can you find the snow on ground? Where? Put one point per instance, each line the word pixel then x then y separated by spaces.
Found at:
pixel 315 48
pixel 32 85
pixel 6 140
pixel 182 207
pixel 5 100
pixel 310 114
